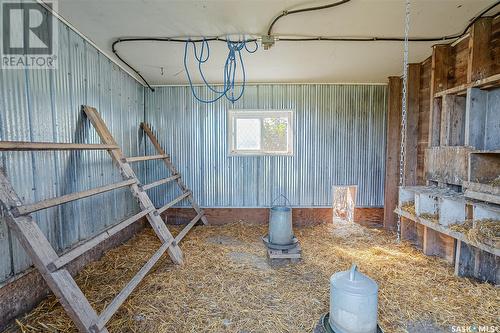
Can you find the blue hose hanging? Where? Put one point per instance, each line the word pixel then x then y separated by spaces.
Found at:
pixel 230 67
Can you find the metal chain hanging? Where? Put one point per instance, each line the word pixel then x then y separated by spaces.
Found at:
pixel 404 104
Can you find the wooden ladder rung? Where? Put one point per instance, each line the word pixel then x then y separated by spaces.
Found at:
pixel 173 202
pixel 88 245
pixel 145 158
pixel 110 310
pixel 186 229
pixel 30 208
pixel 160 182
pixel 28 146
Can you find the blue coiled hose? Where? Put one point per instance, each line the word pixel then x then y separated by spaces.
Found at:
pixel 234 54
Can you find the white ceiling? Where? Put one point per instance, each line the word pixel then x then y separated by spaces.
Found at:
pixel 102 21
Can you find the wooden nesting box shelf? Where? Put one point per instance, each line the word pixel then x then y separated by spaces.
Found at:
pixel 426 215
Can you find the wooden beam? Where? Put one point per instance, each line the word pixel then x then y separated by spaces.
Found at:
pixel 30 208
pixel 439 81
pixel 173 202
pixel 110 310
pixel 30 146
pixel 145 158
pixel 480 59
pixel 90 244
pixel 412 120
pixel 392 152
pixel 160 182
pixel 186 229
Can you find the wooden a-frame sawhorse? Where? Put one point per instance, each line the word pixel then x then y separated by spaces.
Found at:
pixel 50 264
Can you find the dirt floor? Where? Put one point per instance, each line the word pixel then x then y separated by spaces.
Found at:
pixel 226 285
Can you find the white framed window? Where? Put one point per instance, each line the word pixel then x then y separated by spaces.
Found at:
pixel 260 132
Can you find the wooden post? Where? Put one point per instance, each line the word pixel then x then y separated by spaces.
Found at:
pixel 412 115
pixel 480 58
pixel 439 82
pixel 392 152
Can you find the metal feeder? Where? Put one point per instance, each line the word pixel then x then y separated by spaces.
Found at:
pixel 324 326
pixel 280 241
pixel 353 304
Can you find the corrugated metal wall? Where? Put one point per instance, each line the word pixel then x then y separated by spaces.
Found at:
pixel 44 105
pixel 339 139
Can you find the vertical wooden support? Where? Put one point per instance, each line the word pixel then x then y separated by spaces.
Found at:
pixel 392 153
pixel 439 82
pixel 480 59
pixel 412 120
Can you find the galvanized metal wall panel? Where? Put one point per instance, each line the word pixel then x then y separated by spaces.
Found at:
pixel 44 105
pixel 339 139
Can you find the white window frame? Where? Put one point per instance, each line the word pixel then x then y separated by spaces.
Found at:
pixel 233 114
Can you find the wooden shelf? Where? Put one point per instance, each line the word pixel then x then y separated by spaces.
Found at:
pixel 33 146
pixel 486 83
pixel 483 192
pixel 444 230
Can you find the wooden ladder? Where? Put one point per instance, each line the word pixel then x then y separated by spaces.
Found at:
pixel 50 264
pixel 175 175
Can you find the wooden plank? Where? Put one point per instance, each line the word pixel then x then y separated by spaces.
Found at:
pixel 30 208
pixel 173 202
pixel 408 230
pixel 452 121
pixel 110 310
pixel 392 153
pixel 471 262
pixel 457 90
pixel 447 164
pixel 484 188
pixel 186 229
pixel 278 255
pixel 159 182
pixel 30 146
pixel 41 253
pixel 439 81
pixel 487 197
pixel 142 197
pixel 412 121
pixel 480 60
pixel 145 158
pixel 90 244
pixel 492 81
pixel 489 82
pixel 145 127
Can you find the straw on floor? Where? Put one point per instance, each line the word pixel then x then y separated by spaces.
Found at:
pixel 226 284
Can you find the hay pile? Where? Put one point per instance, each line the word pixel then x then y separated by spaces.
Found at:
pixel 409 207
pixel 495 182
pixel 486 231
pixel 227 286
pixel 434 218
